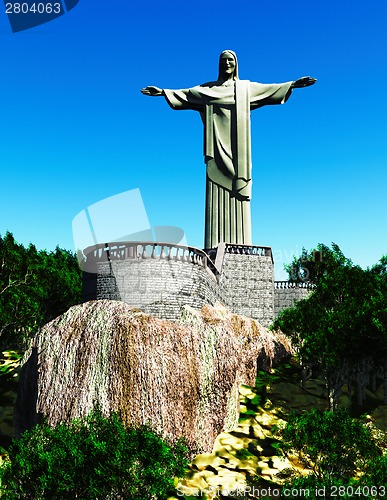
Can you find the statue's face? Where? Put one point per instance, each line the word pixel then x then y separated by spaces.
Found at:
pixel 227 64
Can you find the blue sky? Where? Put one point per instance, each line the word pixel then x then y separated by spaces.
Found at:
pixel 75 128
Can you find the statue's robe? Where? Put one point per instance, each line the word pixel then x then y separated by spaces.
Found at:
pixel 225 111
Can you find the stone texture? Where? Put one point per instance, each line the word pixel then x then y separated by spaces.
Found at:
pixel 159 287
pixel 181 377
pixel 243 282
pixel 247 284
pixel 288 295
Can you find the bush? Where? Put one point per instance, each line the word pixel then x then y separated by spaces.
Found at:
pixel 92 458
pixel 313 488
pixel 376 473
pixel 331 443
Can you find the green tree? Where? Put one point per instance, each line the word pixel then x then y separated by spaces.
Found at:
pixel 35 287
pixel 377 311
pixel 95 457
pixel 342 324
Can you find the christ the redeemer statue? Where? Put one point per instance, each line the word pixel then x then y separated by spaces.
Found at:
pixel 225 106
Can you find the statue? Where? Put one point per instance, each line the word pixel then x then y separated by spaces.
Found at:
pixel 225 106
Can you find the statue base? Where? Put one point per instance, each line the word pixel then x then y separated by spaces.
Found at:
pixel 161 278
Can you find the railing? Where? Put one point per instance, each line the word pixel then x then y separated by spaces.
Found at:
pixel 109 252
pixel 281 285
pixel 249 250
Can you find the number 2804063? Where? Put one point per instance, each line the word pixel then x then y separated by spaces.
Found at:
pixel 34 8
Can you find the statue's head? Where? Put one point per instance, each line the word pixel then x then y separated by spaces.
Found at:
pixel 228 63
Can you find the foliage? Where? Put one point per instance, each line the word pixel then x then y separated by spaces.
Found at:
pixel 376 472
pixel 312 266
pixel 35 287
pixel 345 314
pixel 9 363
pixel 368 487
pixel 262 381
pixel 333 444
pixel 265 379
pixel 344 320
pixel 92 458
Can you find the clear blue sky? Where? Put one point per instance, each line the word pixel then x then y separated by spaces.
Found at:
pixel 75 128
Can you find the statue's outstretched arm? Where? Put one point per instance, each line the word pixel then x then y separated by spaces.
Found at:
pixel 305 81
pixel 151 90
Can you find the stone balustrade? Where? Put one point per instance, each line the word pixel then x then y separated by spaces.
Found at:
pixel 249 250
pixel 282 285
pixel 109 252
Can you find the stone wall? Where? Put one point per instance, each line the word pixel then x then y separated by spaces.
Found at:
pixel 160 278
pixel 247 282
pixel 158 287
pixel 286 294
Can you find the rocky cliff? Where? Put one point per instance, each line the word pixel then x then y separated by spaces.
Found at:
pixel 182 377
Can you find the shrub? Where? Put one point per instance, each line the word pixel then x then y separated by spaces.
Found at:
pixel 331 443
pixel 92 458
pixel 367 488
pixel 376 473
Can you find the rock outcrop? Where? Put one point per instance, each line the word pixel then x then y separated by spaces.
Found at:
pixel 181 378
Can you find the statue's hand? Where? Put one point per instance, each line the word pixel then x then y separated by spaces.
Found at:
pixel 305 81
pixel 152 91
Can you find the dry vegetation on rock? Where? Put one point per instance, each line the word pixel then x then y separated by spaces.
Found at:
pixel 181 378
